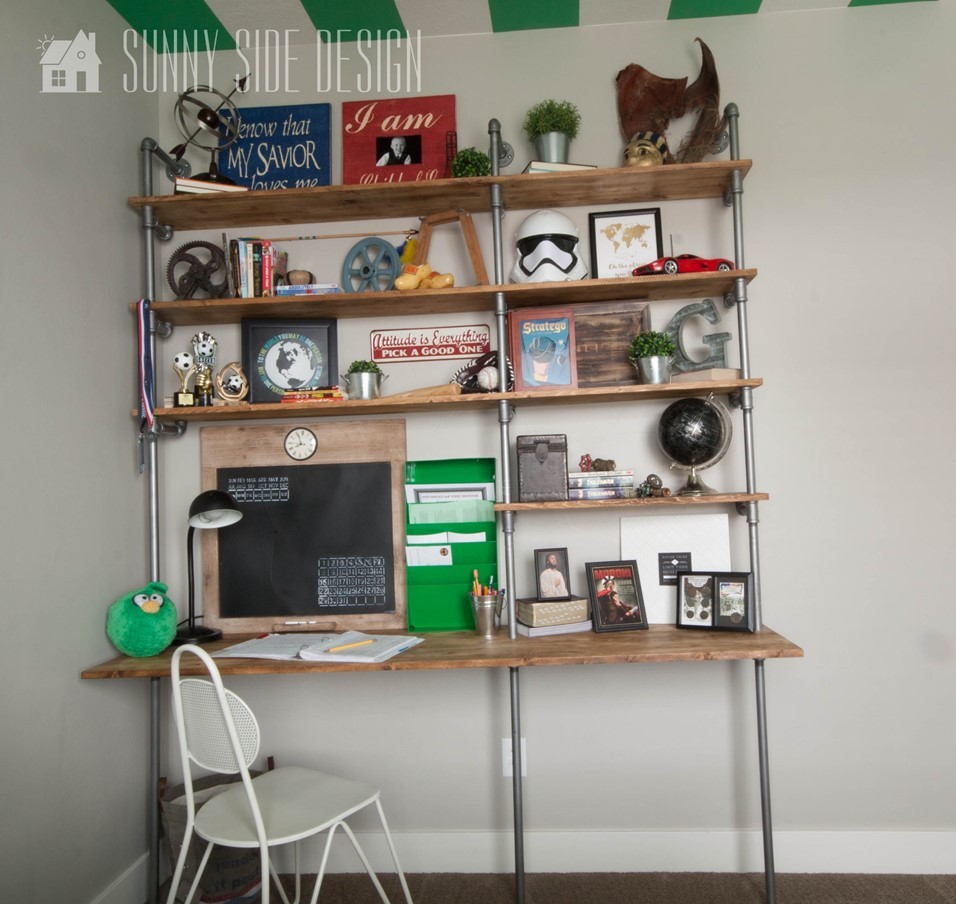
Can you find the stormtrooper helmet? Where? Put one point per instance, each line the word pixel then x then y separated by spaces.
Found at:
pixel 547 244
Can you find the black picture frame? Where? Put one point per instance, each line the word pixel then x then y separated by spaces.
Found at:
pixel 715 601
pixel 280 356
pixel 611 258
pixel 617 602
pixel 548 585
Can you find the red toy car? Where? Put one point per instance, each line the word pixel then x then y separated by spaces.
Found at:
pixel 683 263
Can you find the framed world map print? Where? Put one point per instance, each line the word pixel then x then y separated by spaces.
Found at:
pixel 624 239
pixel 283 356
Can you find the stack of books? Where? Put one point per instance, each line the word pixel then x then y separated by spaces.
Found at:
pixel 543 166
pixel 334 394
pixel 538 618
pixel 308 289
pixel 601 484
pixel 256 266
pixel 183 186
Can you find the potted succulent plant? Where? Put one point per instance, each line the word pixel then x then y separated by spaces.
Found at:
pixel 652 353
pixel 470 162
pixel 551 125
pixel 363 380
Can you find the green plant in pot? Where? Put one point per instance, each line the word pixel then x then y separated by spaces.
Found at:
pixel 470 162
pixel 652 353
pixel 551 125
pixel 363 380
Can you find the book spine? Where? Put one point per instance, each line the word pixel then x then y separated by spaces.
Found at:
pixel 621 481
pixel 601 493
pixel 257 269
pixel 623 472
pixel 267 268
pixel 236 269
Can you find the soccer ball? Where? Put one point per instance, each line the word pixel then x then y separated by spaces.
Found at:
pixel 183 361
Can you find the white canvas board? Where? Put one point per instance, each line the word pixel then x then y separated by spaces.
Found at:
pixel 664 543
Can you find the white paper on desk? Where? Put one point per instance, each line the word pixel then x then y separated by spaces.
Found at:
pixel 428 555
pixel 701 540
pixel 272 646
pixel 354 646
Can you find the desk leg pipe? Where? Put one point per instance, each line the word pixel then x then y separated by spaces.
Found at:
pixel 516 786
pixel 769 872
pixel 153 804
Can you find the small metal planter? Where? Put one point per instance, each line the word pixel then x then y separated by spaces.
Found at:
pixel 363 385
pixel 655 369
pixel 552 147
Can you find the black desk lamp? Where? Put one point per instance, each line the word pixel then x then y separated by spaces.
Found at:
pixel 209 510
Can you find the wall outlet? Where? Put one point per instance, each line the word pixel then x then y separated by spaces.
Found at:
pixel 507 769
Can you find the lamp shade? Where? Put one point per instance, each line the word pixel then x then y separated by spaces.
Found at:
pixel 213 509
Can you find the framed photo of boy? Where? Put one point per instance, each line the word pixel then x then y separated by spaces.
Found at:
pixel 721 601
pixel 551 570
pixel 617 603
pixel 624 239
pixel 543 348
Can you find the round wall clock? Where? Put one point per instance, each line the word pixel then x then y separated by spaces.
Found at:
pixel 300 443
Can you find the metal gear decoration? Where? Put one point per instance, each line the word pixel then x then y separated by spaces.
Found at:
pixel 198 267
pixel 371 265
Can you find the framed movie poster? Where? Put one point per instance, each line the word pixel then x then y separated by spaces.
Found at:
pixel 617 603
pixel 280 356
pixel 407 139
pixel 542 348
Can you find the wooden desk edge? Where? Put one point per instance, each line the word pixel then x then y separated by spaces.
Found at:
pixel 464 650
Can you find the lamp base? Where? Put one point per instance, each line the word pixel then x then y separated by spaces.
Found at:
pixel 196 634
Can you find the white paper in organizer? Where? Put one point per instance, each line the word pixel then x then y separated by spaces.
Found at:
pixel 705 537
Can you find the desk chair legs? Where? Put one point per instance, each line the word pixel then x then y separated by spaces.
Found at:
pixel 219 733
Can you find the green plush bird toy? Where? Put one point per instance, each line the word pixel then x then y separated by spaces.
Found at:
pixel 142 623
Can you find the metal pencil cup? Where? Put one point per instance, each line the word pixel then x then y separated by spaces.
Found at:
pixel 484 608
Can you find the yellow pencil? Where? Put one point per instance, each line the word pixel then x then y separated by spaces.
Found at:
pixel 347 646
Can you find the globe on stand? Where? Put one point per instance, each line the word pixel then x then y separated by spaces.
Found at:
pixel 695 434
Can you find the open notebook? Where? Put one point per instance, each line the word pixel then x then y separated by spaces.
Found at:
pixel 349 646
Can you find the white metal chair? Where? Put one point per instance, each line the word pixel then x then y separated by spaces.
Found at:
pixel 218 732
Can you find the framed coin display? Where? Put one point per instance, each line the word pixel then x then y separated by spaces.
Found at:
pixel 280 356
pixel 721 601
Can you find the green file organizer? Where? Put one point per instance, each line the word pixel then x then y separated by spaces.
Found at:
pixel 438 595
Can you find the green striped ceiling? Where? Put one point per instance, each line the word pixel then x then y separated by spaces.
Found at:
pixel 168 23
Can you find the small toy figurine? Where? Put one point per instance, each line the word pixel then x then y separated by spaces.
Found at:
pixel 142 623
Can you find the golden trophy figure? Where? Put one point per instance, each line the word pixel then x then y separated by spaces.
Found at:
pixel 185 367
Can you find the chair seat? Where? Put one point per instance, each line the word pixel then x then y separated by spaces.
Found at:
pixel 295 803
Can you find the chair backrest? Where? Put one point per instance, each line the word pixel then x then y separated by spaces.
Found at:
pixel 217 730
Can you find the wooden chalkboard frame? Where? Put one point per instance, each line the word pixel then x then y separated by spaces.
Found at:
pixel 340 442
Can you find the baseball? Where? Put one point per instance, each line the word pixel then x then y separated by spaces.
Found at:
pixel 488 378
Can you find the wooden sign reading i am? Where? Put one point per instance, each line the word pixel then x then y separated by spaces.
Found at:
pixel 405 140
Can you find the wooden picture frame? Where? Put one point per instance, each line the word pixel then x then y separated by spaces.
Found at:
pixel 315 536
pixel 552 576
pixel 715 601
pixel 602 334
pixel 617 603
pixel 280 356
pixel 624 239
pixel 542 346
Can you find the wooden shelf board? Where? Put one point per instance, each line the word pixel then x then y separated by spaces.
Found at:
pixel 572 504
pixel 460 299
pixel 586 188
pixel 412 403
pixel 463 650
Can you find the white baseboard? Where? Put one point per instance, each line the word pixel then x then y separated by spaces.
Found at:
pixel 720 851
pixel 616 852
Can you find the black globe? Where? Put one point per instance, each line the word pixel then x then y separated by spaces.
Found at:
pixel 691 432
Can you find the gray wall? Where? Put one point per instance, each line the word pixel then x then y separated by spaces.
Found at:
pixel 847 211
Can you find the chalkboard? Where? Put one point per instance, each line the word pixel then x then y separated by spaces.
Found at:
pixel 320 544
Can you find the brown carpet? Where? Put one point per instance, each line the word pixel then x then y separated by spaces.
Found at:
pixel 642 888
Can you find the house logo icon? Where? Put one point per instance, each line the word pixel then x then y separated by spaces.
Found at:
pixel 70 67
